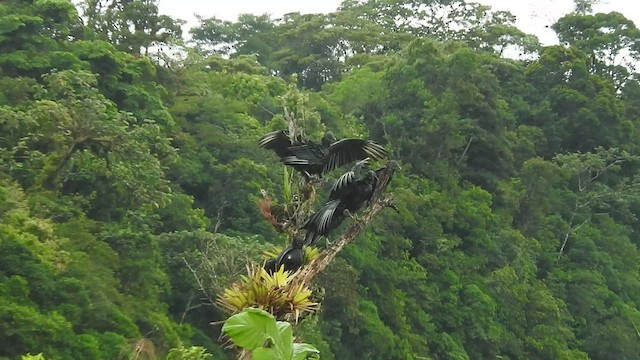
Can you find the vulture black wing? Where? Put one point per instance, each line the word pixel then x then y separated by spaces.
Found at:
pixel 323 221
pixel 346 151
pixel 311 154
pixel 343 183
pixel 307 157
pixel 348 180
pixel 278 141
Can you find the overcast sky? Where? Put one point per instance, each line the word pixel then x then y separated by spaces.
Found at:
pixel 533 16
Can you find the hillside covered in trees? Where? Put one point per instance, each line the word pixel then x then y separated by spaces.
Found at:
pixel 129 161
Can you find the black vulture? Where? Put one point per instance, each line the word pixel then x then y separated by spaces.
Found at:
pixel 291 258
pixel 383 179
pixel 348 194
pixel 316 159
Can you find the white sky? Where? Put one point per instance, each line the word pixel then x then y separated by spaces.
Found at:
pixel 532 15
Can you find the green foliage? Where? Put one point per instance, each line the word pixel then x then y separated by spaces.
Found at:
pixel 129 179
pixel 133 26
pixel 190 353
pixel 32 357
pixel 258 331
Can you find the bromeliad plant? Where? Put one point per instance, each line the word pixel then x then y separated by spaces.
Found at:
pixel 275 293
pixel 297 203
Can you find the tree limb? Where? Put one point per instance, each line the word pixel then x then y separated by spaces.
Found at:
pixel 466 148
pixel 568 234
pixel 308 273
pixel 219 216
pixel 200 284
pixel 189 307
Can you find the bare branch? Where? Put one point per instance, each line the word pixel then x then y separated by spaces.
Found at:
pixel 577 227
pixel 580 187
pixel 465 150
pixel 309 272
pixel 200 284
pixel 267 110
pixel 219 216
pixel 189 307
pixel 572 229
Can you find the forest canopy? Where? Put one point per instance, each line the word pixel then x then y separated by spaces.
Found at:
pixel 130 161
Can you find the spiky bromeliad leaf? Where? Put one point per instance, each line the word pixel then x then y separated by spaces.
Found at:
pixel 273 252
pixel 32 357
pixel 310 253
pixel 191 353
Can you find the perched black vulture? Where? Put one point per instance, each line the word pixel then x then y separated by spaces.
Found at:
pixel 383 179
pixel 291 258
pixel 348 194
pixel 327 218
pixel 316 159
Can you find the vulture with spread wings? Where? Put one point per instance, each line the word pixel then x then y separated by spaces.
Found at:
pixel 317 159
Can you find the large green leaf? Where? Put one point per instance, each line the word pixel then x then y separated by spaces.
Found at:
pixel 302 351
pixel 279 348
pixel 284 339
pixel 257 330
pixel 267 353
pixel 250 328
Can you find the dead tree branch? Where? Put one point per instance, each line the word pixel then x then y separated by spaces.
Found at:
pixel 200 284
pixel 308 273
pixel 466 148
pixel 219 216
pixel 572 229
pixel 189 307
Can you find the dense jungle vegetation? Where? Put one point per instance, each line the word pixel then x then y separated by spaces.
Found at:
pixel 517 233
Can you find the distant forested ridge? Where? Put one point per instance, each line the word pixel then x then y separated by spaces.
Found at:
pixel 128 155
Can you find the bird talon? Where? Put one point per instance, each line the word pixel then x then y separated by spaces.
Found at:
pixel 353 216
